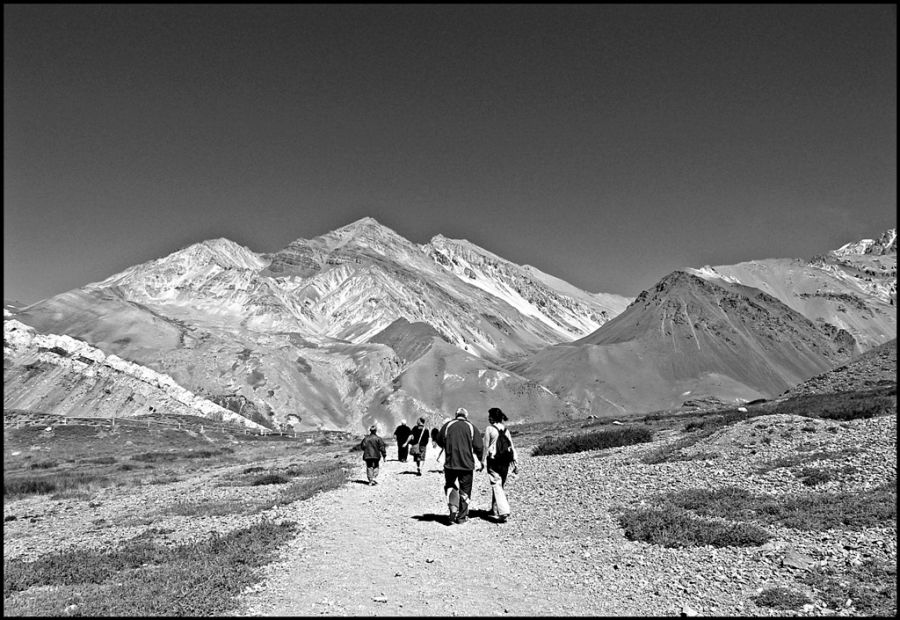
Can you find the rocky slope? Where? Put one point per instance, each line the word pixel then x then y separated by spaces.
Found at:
pixel 853 288
pixel 874 368
pixel 294 332
pixel 689 337
pixel 65 376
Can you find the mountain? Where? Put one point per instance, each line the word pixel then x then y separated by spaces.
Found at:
pixel 730 332
pixel 689 337
pixel 360 325
pixel 853 288
pixel 438 377
pixel 64 376
pixel 295 331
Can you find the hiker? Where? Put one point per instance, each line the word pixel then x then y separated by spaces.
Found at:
pixel 462 445
pixel 434 442
pixel 500 454
pixel 418 444
pixel 373 451
pixel 401 434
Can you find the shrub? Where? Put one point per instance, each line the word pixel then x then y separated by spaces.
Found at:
pixel 597 440
pixel 811 476
pixel 305 488
pixel 100 460
pixel 270 479
pixel 781 598
pixel 40 485
pixel 43 465
pixel 210 509
pixel 141 578
pixel 871 586
pixel 673 527
pixel 849 510
pixel 153 457
pixel 853 405
pixel 254 469
pixel 672 451
pixel 798 459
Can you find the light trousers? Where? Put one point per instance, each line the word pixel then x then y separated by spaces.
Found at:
pixel 499 502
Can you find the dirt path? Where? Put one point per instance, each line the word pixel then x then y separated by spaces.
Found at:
pixel 387 550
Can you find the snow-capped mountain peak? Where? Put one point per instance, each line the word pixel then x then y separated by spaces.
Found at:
pixel 885 244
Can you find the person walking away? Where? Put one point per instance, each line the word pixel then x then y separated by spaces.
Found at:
pixel 434 443
pixel 418 444
pixel 500 455
pixel 401 434
pixel 462 445
pixel 373 451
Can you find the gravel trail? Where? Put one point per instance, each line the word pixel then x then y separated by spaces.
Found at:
pixel 387 550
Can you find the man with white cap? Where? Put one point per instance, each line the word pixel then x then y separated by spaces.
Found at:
pixel 462 445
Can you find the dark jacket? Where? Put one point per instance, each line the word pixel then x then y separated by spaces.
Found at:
pixel 418 435
pixel 402 433
pixel 460 439
pixel 373 447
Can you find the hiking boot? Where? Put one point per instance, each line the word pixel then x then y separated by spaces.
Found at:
pixel 419 472
pixel 453 514
pixel 502 518
pixel 462 521
pixel 371 483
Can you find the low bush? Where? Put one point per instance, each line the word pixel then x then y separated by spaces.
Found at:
pixel 100 460
pixel 782 598
pixel 154 457
pixel 269 479
pixel 812 476
pixel 210 509
pixel 848 510
pixel 305 488
pixel 806 457
pixel 43 484
pixel 669 526
pixel 855 405
pixel 43 465
pixel 673 451
pixel 597 440
pixel 142 578
pixel 871 587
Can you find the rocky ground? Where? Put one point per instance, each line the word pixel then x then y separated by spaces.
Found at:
pixel 387 550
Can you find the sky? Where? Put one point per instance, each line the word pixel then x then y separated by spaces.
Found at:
pixel 606 145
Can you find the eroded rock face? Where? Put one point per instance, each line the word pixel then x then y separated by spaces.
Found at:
pixel 59 374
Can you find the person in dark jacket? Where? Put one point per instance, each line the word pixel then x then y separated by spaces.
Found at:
pixel 418 443
pixel 401 434
pixel 373 451
pixel 462 445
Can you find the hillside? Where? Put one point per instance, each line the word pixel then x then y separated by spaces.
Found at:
pixel 874 368
pixel 688 338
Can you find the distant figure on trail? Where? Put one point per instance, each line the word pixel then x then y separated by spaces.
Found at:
pixel 462 445
pixel 401 434
pixel 500 454
pixel 418 443
pixel 373 451
pixel 434 440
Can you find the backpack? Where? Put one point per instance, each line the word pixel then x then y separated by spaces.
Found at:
pixel 504 453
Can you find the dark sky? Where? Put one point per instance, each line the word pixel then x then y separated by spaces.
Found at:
pixel 606 145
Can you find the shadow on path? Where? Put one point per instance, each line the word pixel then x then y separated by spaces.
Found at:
pixel 445 519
